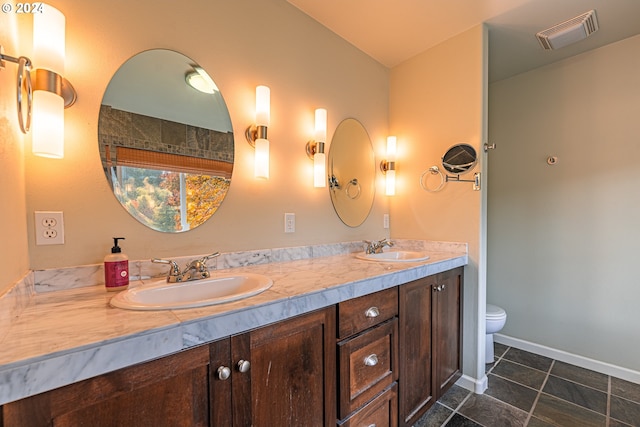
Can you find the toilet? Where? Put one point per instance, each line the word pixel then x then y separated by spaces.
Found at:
pixel 496 318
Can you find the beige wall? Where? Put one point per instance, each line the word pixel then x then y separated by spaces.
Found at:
pixel 241 43
pixel 437 99
pixel 13 224
pixel 564 240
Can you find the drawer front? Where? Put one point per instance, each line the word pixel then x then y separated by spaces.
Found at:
pixel 380 412
pixel 361 313
pixel 367 366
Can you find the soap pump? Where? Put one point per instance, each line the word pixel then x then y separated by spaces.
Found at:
pixel 116 268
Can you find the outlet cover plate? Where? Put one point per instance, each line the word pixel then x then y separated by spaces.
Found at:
pixel 49 227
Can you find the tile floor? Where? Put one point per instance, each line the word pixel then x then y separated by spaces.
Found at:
pixel 527 389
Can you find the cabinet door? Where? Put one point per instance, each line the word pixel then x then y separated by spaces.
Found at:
pixel 447 329
pixel 415 387
pixel 171 391
pixel 291 379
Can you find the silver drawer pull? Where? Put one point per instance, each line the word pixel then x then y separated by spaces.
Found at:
pixel 372 312
pixel 372 425
pixel 371 360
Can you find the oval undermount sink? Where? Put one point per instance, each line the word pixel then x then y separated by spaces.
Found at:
pixel 395 256
pixel 160 295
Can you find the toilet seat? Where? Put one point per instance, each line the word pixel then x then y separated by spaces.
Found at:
pixel 494 312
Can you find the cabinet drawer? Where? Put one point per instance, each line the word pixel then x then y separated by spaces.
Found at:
pixel 367 365
pixel 361 313
pixel 380 412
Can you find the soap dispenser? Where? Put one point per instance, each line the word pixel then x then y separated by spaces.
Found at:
pixel 116 268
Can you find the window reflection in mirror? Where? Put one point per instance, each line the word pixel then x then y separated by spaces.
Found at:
pixel 166 148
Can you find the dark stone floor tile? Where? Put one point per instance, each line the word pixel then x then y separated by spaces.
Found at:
pixel 626 389
pixel 558 412
pixel 625 411
pixel 534 422
pixel 526 358
pixel 520 374
pixel 454 397
pixel 499 349
pixel 575 393
pixel 459 421
pixel 512 393
pixel 491 412
pixel 616 423
pixel 581 375
pixel 434 417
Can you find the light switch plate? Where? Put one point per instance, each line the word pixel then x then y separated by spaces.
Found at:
pixel 289 223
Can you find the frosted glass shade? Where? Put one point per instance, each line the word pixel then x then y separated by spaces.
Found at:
pixel 321 125
pixel 390 189
pixel 49 39
pixel 48 125
pixel 263 106
pixel 261 167
pixel 319 170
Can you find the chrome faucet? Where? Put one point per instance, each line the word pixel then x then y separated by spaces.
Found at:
pixel 376 247
pixel 195 270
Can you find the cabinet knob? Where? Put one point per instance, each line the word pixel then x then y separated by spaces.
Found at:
pixel 223 373
pixel 243 366
pixel 372 312
pixel 439 288
pixel 371 360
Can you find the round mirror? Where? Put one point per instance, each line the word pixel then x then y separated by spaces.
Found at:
pixel 352 172
pixel 459 159
pixel 166 141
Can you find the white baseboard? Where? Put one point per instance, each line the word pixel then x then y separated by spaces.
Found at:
pixel 477 386
pixel 573 359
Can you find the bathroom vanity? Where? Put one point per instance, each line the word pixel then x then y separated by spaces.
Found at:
pixel 376 349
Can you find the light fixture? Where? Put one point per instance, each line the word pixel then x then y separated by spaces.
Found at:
pixel 257 134
pixel 201 81
pixel 388 166
pixel 315 149
pixel 48 92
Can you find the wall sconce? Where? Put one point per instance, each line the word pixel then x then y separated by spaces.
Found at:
pixel 388 166
pixel 315 149
pixel 257 134
pixel 48 92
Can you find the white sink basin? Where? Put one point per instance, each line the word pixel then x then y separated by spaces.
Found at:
pixel 160 295
pixel 395 256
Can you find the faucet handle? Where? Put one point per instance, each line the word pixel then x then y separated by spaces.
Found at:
pixel 208 257
pixel 175 270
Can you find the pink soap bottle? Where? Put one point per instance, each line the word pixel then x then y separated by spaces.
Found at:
pixel 116 268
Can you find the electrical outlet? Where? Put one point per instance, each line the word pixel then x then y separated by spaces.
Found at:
pixel 289 223
pixel 49 228
pixel 385 221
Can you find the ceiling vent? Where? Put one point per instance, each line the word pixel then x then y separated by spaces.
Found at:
pixel 569 32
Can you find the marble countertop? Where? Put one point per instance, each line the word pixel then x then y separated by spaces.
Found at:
pixel 66 336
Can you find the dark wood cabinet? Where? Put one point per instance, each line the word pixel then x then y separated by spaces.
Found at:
pixel 381 359
pixel 447 330
pixel 430 333
pixel 288 377
pixel 171 391
pixel 367 359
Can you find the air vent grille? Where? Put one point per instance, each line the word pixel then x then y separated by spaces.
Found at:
pixel 569 32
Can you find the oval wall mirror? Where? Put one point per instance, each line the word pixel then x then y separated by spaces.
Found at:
pixel 352 172
pixel 166 141
pixel 459 159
